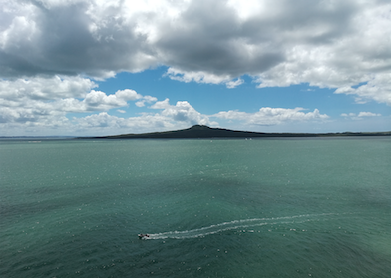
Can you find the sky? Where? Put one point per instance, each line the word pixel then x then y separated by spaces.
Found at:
pixel 103 67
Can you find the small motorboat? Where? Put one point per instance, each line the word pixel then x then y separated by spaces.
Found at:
pixel 143 236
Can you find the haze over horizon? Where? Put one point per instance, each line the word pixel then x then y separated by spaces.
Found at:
pixel 92 67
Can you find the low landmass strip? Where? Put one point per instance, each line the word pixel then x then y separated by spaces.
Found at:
pixel 201 131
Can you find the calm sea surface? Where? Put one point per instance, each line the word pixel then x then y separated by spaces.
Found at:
pixel 213 208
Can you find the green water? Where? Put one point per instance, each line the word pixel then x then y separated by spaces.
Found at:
pixel 213 208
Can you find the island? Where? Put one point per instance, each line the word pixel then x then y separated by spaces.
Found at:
pixel 202 131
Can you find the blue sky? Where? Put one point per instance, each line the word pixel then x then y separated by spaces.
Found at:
pixel 112 67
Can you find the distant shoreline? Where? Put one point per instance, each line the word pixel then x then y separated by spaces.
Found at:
pixel 37 137
pixel 200 131
pixel 204 132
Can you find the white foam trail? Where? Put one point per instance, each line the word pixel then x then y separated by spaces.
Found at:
pixel 236 224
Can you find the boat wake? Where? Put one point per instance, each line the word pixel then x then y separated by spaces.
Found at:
pixel 237 224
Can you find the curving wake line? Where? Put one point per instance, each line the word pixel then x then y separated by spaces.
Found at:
pixel 236 224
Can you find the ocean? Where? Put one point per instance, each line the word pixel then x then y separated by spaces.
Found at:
pixel 293 207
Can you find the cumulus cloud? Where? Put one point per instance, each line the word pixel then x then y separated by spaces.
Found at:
pixel 104 123
pixel 334 44
pixel 99 101
pixel 39 101
pixel 40 88
pixel 198 76
pixel 99 40
pixel 202 77
pixel 45 104
pixel 146 99
pixel 181 115
pixel 267 116
pixel 181 112
pixel 234 83
pixel 43 101
pixel 377 88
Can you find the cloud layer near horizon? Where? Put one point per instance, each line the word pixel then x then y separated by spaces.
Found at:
pixel 51 50
pixel 45 103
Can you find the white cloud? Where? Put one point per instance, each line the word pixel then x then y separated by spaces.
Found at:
pixel 99 101
pixel 140 103
pixel 100 120
pixel 246 9
pixel 233 84
pixel 368 114
pixel 272 116
pixel 181 112
pixel 161 104
pixel 46 101
pixel 196 76
pixel 40 88
pixel 43 104
pixel 378 88
pixel 360 115
pixel 146 99
pixel 203 77
pixel 348 115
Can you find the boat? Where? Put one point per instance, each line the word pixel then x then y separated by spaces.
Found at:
pixel 143 236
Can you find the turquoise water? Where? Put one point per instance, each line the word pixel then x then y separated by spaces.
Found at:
pixel 213 208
